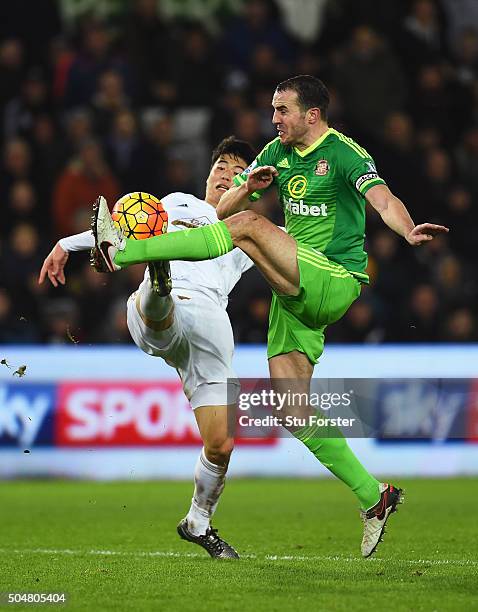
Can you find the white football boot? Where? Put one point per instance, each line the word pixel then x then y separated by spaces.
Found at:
pixel 108 239
pixel 375 519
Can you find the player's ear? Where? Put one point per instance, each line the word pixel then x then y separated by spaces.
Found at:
pixel 313 115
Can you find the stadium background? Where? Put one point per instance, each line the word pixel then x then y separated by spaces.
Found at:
pixel 108 97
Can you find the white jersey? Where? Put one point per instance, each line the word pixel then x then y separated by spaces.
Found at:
pixel 215 277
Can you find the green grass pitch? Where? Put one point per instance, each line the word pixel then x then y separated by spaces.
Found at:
pixel 114 546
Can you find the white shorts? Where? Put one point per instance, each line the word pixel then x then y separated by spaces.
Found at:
pixel 199 344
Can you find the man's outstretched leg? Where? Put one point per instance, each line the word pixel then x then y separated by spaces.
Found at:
pixel 114 252
pixel 272 250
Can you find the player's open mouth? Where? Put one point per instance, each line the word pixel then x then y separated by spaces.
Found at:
pixel 222 188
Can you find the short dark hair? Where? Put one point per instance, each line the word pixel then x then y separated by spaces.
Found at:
pixel 237 148
pixel 311 92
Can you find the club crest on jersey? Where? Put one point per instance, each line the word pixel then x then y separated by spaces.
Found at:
pixel 322 167
pixel 297 186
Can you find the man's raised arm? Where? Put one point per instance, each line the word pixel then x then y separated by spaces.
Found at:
pixel 396 216
pixel 238 198
pixel 234 200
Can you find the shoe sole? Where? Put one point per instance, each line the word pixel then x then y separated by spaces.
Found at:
pixel 94 219
pixel 393 508
pixel 99 260
pixel 96 256
pixel 160 282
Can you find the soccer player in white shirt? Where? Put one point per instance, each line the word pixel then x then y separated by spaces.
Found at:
pixel 189 328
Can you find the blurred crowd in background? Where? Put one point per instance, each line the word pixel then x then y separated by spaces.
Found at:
pixel 107 97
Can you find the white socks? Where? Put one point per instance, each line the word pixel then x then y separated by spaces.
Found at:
pixel 209 481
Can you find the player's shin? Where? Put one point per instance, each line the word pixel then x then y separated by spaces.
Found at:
pixel 330 447
pixel 196 244
pixel 209 481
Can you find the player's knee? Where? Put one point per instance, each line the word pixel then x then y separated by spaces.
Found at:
pixel 218 449
pixel 244 225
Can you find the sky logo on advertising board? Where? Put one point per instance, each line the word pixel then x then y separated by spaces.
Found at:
pixel 26 414
pixel 124 414
pixel 431 410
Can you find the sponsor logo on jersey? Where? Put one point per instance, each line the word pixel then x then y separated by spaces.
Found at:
pixel 284 163
pixel 371 166
pixel 303 209
pixel 297 186
pixel 365 177
pixel 322 167
pixel 192 223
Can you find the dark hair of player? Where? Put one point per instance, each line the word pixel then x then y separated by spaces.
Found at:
pixel 237 148
pixel 311 93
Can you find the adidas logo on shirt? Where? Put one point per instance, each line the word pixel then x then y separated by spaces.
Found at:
pixel 284 163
